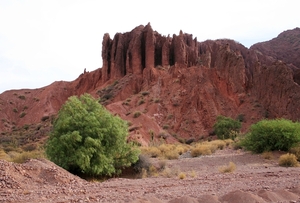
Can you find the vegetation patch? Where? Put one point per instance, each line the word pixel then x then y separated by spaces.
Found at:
pixel 86 138
pixel 22 97
pixel 288 160
pixel 136 114
pixel 271 135
pixel 227 168
pixel 225 126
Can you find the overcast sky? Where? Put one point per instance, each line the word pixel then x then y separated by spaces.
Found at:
pixel 42 41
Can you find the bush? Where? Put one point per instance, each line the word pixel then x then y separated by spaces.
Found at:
pixel 136 114
pixel 202 149
pixel 24 156
pixel 296 151
pixel 87 138
pixel 288 160
pixel 224 126
pixel 151 151
pixel 228 168
pixel 271 135
pixel 182 175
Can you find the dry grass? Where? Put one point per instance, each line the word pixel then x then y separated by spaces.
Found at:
pixel 200 150
pixel 181 175
pixel 220 144
pixel 296 150
pixel 193 174
pixel 173 151
pixel 151 151
pixel 165 151
pixel 169 173
pixel 288 160
pixel 227 168
pixel 171 155
pixel 24 156
pixel 4 156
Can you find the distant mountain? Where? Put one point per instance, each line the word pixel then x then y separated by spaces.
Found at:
pixel 285 47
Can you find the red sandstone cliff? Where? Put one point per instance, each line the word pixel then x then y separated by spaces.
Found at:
pixel 179 85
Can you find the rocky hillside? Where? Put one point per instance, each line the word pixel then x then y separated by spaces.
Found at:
pixel 174 87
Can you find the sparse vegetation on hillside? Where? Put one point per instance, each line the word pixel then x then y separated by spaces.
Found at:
pixel 87 138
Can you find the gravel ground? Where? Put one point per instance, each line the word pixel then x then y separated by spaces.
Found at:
pixel 254 180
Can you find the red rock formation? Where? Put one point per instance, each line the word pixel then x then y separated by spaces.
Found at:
pixel 183 84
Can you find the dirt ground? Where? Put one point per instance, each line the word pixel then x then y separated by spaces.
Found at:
pixel 255 180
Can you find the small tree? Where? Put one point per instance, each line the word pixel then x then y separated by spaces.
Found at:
pixel 86 138
pixel 225 126
pixel 270 135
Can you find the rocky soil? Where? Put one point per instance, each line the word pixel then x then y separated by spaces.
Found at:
pixel 255 180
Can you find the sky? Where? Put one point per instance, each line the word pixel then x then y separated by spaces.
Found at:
pixel 42 41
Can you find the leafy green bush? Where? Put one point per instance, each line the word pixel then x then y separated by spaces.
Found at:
pixel 224 127
pixel 86 138
pixel 270 135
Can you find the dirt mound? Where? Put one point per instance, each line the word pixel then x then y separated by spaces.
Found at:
pixel 255 180
pixel 34 173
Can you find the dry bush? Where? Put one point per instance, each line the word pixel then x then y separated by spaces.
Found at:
pixel 4 156
pixel 267 155
pixel 167 172
pixel 228 142
pixel 296 150
pixel 201 149
pixel 219 143
pixel 151 151
pixel 165 148
pixel 161 165
pixel 193 174
pixel 182 175
pixel 171 155
pixel 182 148
pixel 227 168
pixel 24 156
pixel 152 171
pixel 143 174
pixel 288 160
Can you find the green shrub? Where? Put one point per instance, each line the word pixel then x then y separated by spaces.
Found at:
pixel 87 138
pixel 270 135
pixel 224 126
